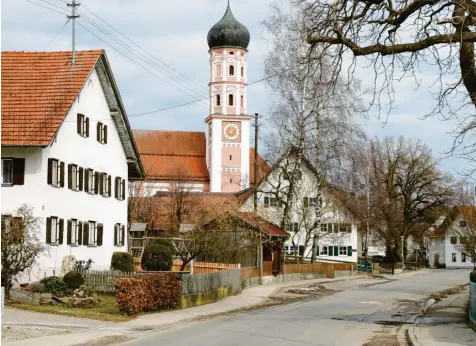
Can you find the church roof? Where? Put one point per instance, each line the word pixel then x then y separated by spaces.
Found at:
pixel 180 155
pixel 228 32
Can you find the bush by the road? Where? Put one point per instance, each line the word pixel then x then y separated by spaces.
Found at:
pixel 149 292
pixel 54 284
pixel 158 255
pixel 73 279
pixel 122 261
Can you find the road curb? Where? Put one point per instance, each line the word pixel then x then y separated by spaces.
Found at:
pixel 412 337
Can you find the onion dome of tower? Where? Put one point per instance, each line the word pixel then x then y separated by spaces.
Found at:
pixel 228 32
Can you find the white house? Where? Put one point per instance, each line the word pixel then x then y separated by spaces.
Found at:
pixel 337 236
pixel 68 152
pixel 444 238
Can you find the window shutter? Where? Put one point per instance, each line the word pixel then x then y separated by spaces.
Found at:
pixel 78 123
pixel 349 251
pixel 123 189
pixel 18 171
pixel 318 253
pixel 70 177
pixel 61 231
pixel 116 187
pixel 109 186
pixel 98 132
pixel 48 230
pixel 86 233
pixel 96 182
pixel 87 127
pixel 68 233
pixel 99 234
pixel 306 202
pixel 50 171
pixel 86 180
pixel 61 174
pixel 105 134
pixel 116 231
pixel 331 250
pixel 123 232
pixel 80 179
pixel 101 184
pixel 336 251
pixel 80 232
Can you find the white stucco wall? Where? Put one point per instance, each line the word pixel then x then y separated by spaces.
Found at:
pixel 70 147
pixel 436 246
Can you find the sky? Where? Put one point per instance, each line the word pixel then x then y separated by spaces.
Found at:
pixel 175 32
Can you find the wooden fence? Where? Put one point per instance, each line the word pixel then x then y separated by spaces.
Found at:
pixel 203 267
pixel 386 268
pixel 319 267
pixel 103 280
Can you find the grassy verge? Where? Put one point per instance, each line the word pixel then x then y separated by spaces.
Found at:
pixel 106 310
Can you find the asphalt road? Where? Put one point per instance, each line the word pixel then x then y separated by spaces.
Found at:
pixel 359 312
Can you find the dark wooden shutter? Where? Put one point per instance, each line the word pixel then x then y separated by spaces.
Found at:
pixel 87 127
pixel 116 187
pixel 70 176
pixel 48 230
pixel 18 171
pixel 349 251
pixel 105 134
pixel 123 189
pixel 96 182
pixel 98 132
pixel 336 251
pixel 116 229
pixel 101 184
pixel 86 233
pixel 61 180
pixel 78 123
pixel 86 180
pixel 317 252
pixel 50 171
pixel 109 186
pixel 80 179
pixel 99 234
pixel 61 231
pixel 68 233
pixel 123 232
pixel 80 232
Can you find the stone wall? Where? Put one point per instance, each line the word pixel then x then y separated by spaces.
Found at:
pixel 30 297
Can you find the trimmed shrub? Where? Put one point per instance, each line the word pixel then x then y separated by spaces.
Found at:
pixel 73 279
pixel 472 276
pixel 148 292
pixel 158 255
pixel 37 287
pixel 122 261
pixel 54 284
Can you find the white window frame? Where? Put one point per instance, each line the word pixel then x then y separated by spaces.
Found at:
pixel 4 182
pixel 105 192
pixel 273 202
pixel 463 257
pixel 453 257
pixel 324 227
pixel 342 253
pixel 92 236
pixel 54 231
pixel 55 173
pixel 118 231
pixel 74 232
pixel 74 178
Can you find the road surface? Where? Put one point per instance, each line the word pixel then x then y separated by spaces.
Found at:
pixel 359 312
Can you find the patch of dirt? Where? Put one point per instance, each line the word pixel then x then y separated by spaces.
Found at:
pixel 448 292
pixel 108 340
pixel 15 333
pixel 387 336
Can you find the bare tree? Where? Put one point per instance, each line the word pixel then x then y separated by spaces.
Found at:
pixel 21 244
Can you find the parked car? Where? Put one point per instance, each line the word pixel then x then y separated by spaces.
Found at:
pixel 378 259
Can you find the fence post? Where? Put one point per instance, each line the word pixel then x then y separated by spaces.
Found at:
pixel 191 267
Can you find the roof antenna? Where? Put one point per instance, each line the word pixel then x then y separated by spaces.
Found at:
pixel 74 15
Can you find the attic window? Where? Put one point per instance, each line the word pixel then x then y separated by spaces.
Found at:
pixel 462 223
pixel 82 126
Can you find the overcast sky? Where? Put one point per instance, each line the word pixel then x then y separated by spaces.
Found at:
pixel 175 32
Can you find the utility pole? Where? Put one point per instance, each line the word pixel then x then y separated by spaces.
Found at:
pixel 368 211
pixel 74 15
pixel 255 197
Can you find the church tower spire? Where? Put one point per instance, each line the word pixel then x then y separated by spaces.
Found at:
pixel 228 134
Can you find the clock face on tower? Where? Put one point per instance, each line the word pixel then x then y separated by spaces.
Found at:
pixel 231 131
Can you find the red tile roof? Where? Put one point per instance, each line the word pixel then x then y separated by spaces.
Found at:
pixel 172 155
pixel 269 228
pixel 38 89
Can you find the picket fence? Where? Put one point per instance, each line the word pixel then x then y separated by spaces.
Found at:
pixel 203 267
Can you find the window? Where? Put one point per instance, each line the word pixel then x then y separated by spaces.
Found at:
pixel 454 240
pixel 313 201
pixel 218 101
pixel 83 125
pixel 89 180
pixel 120 188
pixel 342 250
pixel 232 70
pixel 92 233
pixel 74 232
pixel 343 227
pixel 231 53
pixel 298 175
pixel 463 257
pixel 273 201
pixel 75 177
pixel 325 251
pixel 230 100
pixel 92 236
pixel 102 133
pixel 266 202
pixel 13 171
pixel 230 157
pixel 105 185
pixel 7 172
pixel 54 230
pixel 453 257
pixel 462 223
pixel 55 173
pixel 119 234
pixel 242 101
pixel 242 72
pixel 324 227
pixel 295 227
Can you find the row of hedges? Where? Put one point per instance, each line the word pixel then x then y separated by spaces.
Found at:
pixel 152 292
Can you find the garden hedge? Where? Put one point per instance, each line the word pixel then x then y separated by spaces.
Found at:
pixel 148 292
pixel 158 255
pixel 122 261
pixel 73 279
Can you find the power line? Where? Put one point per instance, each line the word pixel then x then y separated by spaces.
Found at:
pixel 137 45
pixel 49 8
pixel 51 4
pixel 57 34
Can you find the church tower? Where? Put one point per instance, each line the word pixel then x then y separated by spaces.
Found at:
pixel 228 134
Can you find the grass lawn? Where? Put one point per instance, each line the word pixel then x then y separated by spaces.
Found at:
pixel 106 310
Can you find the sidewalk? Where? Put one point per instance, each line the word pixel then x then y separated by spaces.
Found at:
pixel 444 324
